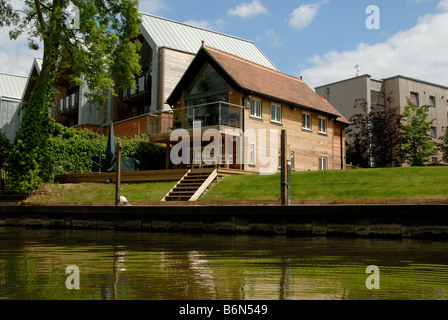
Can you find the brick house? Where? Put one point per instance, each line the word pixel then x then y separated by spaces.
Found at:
pixel 248 105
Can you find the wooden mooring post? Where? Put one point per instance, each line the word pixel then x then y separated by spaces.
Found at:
pixel 284 183
pixel 118 179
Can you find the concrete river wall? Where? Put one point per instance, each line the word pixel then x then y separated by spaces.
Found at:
pixel 321 220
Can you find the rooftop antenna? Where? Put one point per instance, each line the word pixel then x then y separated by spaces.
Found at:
pixel 357 69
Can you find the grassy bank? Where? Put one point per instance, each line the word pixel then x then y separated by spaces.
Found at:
pixel 100 192
pixel 387 183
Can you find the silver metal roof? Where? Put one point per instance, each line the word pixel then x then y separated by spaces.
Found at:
pixel 12 86
pixel 188 38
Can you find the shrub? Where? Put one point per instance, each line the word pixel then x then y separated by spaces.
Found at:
pixel 69 150
pixel 5 147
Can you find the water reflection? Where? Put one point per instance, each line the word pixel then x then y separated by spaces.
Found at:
pixel 126 265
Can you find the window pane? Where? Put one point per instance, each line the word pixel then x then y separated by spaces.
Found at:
pixel 414 98
pixel 322 163
pixel 252 107
pixel 206 81
pixel 434 132
pixel 306 120
pixel 432 101
pixel 292 160
pixel 322 125
pixel 252 154
pixel 255 108
pixel 276 114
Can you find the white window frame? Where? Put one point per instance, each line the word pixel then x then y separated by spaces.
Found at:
pixel 276 113
pixel 293 161
pixel 255 108
pixel 304 123
pixel 252 154
pixel 322 120
pixel 323 163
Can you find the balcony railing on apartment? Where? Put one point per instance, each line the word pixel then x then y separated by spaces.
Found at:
pixel 68 103
pixel 142 83
pixel 216 114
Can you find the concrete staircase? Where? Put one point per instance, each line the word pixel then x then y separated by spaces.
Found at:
pixel 192 185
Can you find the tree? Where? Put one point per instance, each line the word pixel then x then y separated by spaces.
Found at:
pixel 443 145
pixel 376 134
pixel 417 144
pixel 98 48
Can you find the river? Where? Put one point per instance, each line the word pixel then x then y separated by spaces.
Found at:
pixel 120 265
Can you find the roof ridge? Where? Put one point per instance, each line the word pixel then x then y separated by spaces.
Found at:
pixel 12 74
pixel 256 64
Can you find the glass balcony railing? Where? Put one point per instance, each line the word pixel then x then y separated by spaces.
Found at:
pixel 142 85
pixel 68 103
pixel 216 114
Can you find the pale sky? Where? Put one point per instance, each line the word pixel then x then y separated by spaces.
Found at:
pixel 319 40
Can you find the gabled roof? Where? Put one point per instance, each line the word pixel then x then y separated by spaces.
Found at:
pixel 36 66
pixel 187 38
pixel 12 85
pixel 247 76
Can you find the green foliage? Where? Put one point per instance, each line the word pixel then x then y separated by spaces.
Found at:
pixel 26 158
pixel 417 143
pixel 376 134
pixel 68 150
pixel 355 156
pixel 102 54
pixel 443 145
pixel 5 147
pixel 150 155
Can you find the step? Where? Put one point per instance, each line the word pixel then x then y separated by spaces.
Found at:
pixel 170 198
pixel 181 193
pixel 195 178
pixel 190 184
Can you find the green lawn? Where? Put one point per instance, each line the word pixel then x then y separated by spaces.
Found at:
pixel 386 183
pixel 418 182
pixel 100 192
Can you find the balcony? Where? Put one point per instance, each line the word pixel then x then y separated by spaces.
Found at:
pixel 142 89
pixel 69 105
pixel 210 115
